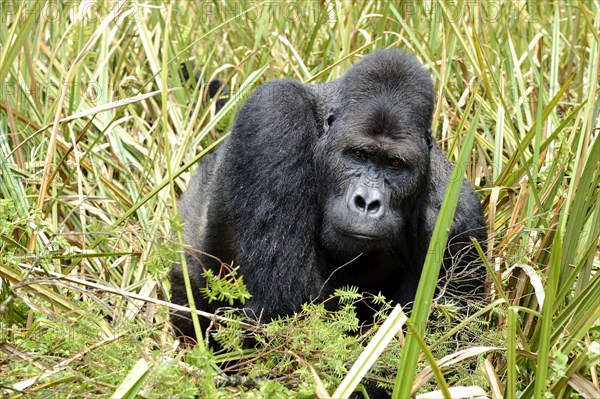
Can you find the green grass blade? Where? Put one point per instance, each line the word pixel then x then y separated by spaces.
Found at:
pixel 133 381
pixel 430 273
pixel 367 358
pixel 543 349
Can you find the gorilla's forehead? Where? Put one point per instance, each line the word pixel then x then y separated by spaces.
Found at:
pixel 387 116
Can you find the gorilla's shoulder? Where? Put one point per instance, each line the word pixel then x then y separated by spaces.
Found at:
pixel 279 94
pixel 276 108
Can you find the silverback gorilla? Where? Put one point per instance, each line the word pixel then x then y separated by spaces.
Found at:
pixel 315 176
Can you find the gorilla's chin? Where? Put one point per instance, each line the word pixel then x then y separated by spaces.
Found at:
pixel 345 241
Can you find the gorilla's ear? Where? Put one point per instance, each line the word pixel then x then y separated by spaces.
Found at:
pixel 328 120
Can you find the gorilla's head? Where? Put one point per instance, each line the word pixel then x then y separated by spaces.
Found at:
pixel 372 161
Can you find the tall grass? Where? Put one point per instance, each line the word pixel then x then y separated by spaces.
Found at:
pixel 99 134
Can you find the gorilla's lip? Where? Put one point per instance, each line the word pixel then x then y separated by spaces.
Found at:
pixel 365 237
pixel 360 236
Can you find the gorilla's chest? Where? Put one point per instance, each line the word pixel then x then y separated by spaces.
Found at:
pixel 376 273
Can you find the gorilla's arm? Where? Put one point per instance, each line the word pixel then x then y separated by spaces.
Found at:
pixel 269 183
pixel 194 209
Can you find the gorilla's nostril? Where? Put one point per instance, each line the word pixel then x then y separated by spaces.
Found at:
pixel 360 202
pixel 373 206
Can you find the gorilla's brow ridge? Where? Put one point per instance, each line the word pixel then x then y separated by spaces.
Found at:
pixel 400 146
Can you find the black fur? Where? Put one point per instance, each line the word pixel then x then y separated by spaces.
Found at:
pixel 215 86
pixel 314 175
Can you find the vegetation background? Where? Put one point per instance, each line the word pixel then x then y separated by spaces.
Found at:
pixel 99 133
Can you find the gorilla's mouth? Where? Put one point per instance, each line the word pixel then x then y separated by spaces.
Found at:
pixel 359 236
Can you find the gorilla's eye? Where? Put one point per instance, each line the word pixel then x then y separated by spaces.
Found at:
pixel 359 154
pixel 395 163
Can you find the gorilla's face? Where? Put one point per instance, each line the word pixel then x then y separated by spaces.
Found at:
pixel 371 164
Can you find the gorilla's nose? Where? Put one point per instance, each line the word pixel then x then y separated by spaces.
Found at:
pixel 368 202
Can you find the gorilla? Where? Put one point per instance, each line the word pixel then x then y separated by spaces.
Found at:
pixel 327 185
